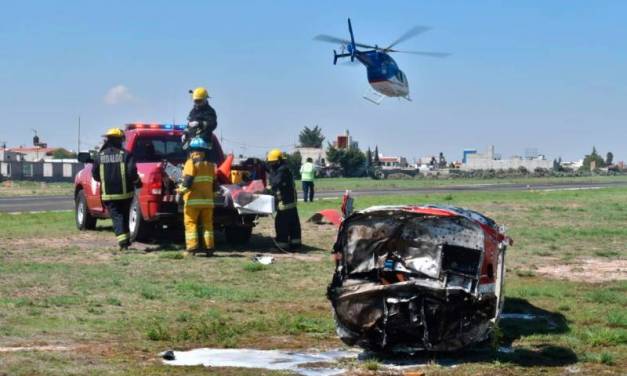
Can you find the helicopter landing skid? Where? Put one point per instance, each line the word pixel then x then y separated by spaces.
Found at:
pixel 373 96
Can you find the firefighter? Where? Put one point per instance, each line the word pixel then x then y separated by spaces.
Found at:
pixel 115 169
pixel 197 191
pixel 202 119
pixel 286 221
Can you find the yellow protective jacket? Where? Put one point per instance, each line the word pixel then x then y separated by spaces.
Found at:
pixel 197 186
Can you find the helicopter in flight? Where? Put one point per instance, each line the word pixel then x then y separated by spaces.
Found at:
pixel 384 75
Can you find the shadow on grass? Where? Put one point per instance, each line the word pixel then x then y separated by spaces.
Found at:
pixel 540 321
pixel 524 320
pixel 258 244
pixel 174 240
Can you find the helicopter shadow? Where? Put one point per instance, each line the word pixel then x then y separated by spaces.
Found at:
pixel 164 241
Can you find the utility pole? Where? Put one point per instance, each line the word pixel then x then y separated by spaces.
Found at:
pixel 78 150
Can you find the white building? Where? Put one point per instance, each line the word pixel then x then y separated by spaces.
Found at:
pixel 492 161
pixel 318 155
pixel 574 165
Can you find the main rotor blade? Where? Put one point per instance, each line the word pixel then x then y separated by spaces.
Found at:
pixel 332 39
pixel 409 34
pixel 423 53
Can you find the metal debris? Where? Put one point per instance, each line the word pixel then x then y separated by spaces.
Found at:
pixel 168 355
pixel 263 259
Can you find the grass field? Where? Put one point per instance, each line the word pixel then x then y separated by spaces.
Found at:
pixel 28 188
pixel 33 188
pixel 112 314
pixel 335 184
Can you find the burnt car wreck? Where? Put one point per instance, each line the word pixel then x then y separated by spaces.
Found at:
pixel 411 278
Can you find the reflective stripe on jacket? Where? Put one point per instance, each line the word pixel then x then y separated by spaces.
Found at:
pixel 282 185
pixel 115 169
pixel 198 176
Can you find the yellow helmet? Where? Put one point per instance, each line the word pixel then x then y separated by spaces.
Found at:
pixel 274 155
pixel 200 93
pixel 114 132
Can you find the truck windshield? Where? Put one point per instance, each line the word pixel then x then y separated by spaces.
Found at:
pixel 158 149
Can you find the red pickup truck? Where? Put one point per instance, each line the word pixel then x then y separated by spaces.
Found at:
pixel 154 204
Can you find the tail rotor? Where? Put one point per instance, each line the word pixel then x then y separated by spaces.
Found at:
pixel 352 47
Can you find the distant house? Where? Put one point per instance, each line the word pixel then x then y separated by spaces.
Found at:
pixel 34 153
pixel 318 155
pixel 7 155
pixel 345 141
pixel 393 162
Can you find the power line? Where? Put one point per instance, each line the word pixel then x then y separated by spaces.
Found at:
pixel 247 145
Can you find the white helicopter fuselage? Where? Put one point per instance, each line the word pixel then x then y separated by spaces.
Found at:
pixel 392 87
pixel 384 75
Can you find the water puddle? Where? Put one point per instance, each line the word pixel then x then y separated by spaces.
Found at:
pixel 528 316
pixel 518 316
pixel 302 363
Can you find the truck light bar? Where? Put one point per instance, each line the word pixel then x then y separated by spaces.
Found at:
pixel 177 127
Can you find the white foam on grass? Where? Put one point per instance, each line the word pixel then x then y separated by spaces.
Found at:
pixel 276 360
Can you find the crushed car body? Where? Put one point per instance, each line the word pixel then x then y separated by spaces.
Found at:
pixel 412 278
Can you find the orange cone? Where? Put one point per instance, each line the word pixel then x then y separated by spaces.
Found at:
pixel 224 171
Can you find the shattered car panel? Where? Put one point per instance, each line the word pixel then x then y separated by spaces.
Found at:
pixel 417 278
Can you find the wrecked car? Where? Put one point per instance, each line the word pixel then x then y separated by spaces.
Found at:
pixel 413 278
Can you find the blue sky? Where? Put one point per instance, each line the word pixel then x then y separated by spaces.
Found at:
pixel 544 74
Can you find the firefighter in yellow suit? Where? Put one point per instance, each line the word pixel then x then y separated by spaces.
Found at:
pixel 197 191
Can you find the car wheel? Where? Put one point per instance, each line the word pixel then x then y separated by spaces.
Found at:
pixel 84 219
pixel 238 235
pixel 139 229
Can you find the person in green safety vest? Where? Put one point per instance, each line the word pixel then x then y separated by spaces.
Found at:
pixel 307 175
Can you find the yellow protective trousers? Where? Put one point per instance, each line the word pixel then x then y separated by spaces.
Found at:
pixel 198 224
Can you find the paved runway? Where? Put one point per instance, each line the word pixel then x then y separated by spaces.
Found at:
pixel 66 202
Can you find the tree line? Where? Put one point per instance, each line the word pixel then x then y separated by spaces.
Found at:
pixel 353 162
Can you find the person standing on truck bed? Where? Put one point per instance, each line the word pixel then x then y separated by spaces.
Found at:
pixel 197 191
pixel 202 121
pixel 286 222
pixel 115 169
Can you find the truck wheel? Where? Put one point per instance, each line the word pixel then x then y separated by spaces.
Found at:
pixel 238 235
pixel 84 219
pixel 138 228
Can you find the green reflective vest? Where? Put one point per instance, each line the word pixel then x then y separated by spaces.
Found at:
pixel 307 171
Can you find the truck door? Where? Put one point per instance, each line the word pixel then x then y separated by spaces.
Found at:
pixel 93 196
